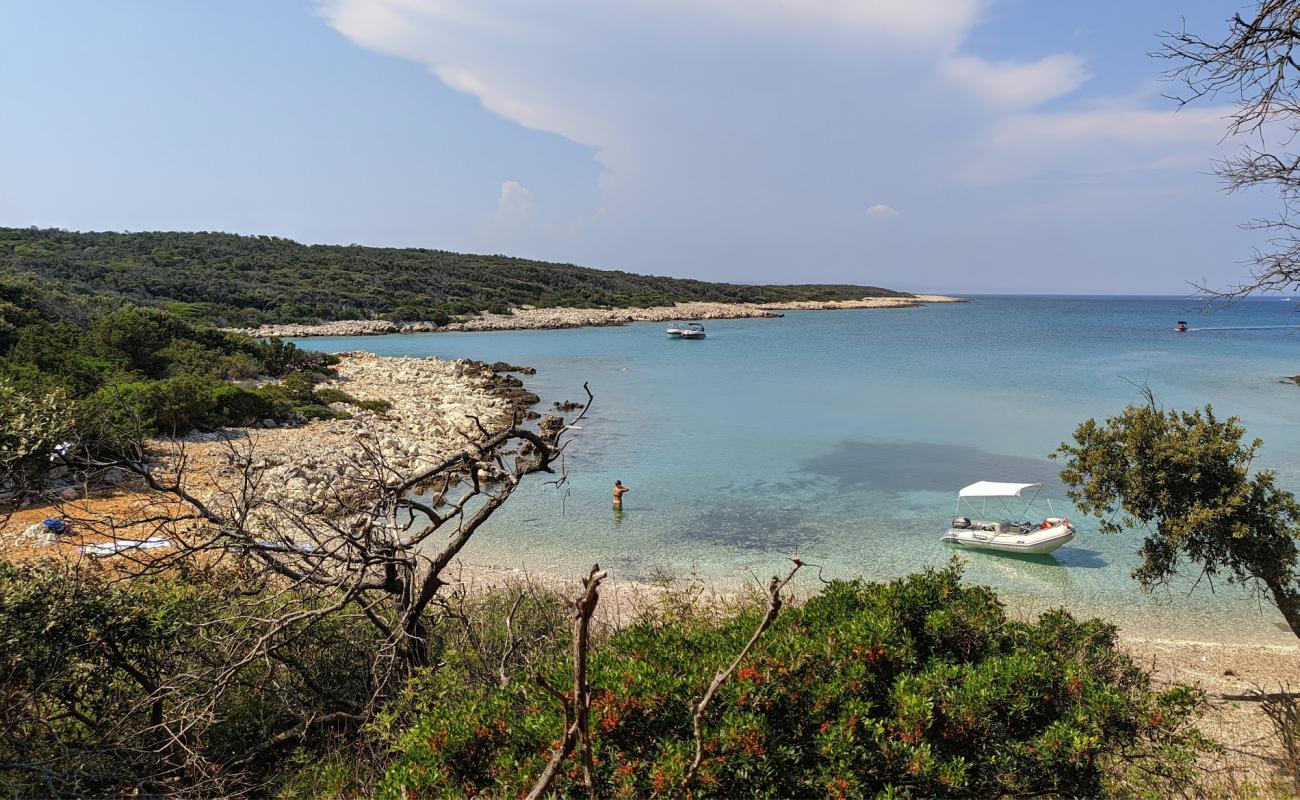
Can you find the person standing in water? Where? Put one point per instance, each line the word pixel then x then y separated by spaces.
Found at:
pixel 619 491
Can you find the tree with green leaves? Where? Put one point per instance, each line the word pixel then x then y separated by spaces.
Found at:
pixel 1186 479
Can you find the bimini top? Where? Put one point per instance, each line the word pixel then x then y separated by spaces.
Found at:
pixel 995 489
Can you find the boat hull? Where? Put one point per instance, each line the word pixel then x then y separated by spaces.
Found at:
pixel 1035 542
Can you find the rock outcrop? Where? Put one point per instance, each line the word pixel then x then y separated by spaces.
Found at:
pixel 437 409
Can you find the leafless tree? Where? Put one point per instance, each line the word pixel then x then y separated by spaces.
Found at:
pixel 1255 69
pixel 371 553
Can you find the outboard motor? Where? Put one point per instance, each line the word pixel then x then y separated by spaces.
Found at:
pixel 961 522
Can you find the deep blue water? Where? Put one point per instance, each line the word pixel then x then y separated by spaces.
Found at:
pixel 844 435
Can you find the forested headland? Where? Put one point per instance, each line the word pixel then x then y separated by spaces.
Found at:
pixel 228 280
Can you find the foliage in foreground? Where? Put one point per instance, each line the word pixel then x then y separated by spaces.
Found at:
pixel 1185 477
pixel 91 663
pixel 918 688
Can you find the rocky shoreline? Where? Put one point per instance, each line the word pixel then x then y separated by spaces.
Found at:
pixel 530 318
pixel 437 407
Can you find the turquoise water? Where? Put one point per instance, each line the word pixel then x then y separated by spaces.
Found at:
pixel 843 436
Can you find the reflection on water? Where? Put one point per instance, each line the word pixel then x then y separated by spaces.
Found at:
pixel 892 467
pixel 1042 576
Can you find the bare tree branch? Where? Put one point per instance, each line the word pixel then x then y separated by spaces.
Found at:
pixel 578 704
pixel 774 604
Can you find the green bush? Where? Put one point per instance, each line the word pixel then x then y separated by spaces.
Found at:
pixel 174 406
pixel 32 424
pixel 921 687
pixel 135 370
pixel 94 663
pixel 85 657
pixel 330 395
pixel 234 405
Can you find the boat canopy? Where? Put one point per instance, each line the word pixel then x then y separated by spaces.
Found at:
pixel 995 489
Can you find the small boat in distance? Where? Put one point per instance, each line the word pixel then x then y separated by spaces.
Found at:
pixel 693 330
pixel 1181 327
pixel 675 330
pixel 1019 535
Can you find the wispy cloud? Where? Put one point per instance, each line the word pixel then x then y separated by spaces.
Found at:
pixel 1015 85
pixel 881 211
pixel 1088 145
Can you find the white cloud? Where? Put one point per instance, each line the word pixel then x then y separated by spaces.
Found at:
pixel 515 203
pixel 1010 84
pixel 1085 145
pixel 762 124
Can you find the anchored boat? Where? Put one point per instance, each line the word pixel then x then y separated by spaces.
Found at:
pixel 1013 533
pixel 691 330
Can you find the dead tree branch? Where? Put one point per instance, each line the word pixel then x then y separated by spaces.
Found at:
pixel 578 704
pixel 774 603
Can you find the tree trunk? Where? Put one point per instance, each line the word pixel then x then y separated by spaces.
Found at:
pixel 1287 600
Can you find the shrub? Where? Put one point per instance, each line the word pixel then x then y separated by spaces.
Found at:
pixel 173 406
pixel 31 426
pixel 234 405
pixel 917 688
pixel 84 658
pixel 330 395
pixel 93 664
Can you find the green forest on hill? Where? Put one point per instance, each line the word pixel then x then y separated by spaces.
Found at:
pixel 229 280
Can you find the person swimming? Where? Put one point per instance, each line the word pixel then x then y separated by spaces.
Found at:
pixel 619 491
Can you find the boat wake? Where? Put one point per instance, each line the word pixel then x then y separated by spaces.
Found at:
pixel 1246 328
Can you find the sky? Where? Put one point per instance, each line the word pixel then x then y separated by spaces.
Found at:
pixel 925 145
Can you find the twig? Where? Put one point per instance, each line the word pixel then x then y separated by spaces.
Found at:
pixel 774 604
pixel 577 731
pixel 511 643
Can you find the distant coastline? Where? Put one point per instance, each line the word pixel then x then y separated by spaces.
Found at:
pixel 530 318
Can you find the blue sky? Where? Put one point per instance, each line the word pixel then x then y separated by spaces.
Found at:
pixel 945 145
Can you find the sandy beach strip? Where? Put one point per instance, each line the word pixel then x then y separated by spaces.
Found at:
pixel 530 318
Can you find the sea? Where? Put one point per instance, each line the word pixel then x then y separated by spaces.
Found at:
pixel 842 437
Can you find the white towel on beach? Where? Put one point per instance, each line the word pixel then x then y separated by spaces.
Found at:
pixel 122 545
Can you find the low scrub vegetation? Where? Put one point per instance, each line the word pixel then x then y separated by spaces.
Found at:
pixel 916 688
pixel 233 281
pixel 100 372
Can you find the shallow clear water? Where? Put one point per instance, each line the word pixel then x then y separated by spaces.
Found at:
pixel 843 436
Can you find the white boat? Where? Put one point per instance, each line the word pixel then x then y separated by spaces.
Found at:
pixel 675 330
pixel 693 330
pixel 1016 532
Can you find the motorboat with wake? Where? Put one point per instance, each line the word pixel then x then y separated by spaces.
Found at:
pixel 1016 532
